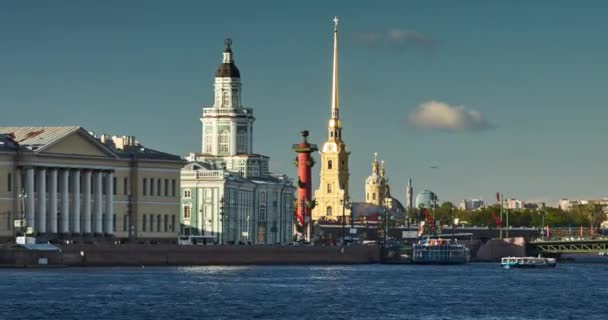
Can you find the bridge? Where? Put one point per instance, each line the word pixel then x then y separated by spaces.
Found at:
pixel 571 246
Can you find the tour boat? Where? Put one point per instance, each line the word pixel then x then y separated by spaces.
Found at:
pixel 527 262
pixel 440 251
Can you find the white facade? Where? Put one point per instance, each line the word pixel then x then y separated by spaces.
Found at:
pixel 471 204
pixel 228 192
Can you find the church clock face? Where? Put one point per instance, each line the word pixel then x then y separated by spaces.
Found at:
pixel 329 147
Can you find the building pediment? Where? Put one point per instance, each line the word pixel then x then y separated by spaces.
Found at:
pixel 69 141
pixel 79 144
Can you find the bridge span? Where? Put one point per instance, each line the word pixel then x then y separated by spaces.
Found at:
pixel 571 246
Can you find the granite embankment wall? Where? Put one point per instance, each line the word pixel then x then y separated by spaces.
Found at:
pixel 495 249
pixel 157 255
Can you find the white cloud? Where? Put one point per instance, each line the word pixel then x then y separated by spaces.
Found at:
pixel 396 38
pixel 442 116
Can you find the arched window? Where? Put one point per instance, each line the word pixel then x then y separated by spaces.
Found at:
pixel 225 99
pixel 329 188
pixel 241 140
pixel 187 194
pixel 328 212
pixel 224 142
pixel 329 164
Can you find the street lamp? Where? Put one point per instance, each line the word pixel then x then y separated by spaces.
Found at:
pixel 343 201
pixel 23 222
pixel 222 219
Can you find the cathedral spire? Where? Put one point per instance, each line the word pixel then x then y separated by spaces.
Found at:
pixel 334 82
pixel 335 127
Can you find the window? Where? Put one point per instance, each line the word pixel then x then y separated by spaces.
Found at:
pixel 262 213
pixel 145 187
pixel 367 196
pixel 187 212
pixel 262 196
pixel 172 223
pixel 224 142
pixel 173 188
pixel 151 187
pixel 241 140
pixel 225 100
pixel 374 196
pixel 143 228
pixel 158 223
pixel 187 194
pixel 166 187
pixel 10 182
pixel 166 222
pixel 125 185
pixel 125 222
pixel 328 212
pixel 114 223
pixel 329 164
pixel 158 187
pixel 208 139
pixel 329 188
pixel 151 223
pixel 114 191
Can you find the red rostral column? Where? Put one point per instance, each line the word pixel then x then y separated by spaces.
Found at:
pixel 304 162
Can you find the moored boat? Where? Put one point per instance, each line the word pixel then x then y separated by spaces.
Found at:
pixel 440 251
pixel 527 262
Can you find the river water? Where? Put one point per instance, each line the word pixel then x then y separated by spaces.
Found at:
pixel 474 291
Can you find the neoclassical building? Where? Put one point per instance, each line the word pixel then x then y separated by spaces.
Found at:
pixel 67 183
pixel 332 195
pixel 228 193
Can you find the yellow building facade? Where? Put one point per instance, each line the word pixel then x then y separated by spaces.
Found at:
pixel 332 195
pixel 376 185
pixel 65 183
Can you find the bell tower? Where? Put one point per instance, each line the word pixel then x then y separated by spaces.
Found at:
pixel 332 195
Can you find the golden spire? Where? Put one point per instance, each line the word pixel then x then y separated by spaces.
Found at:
pixel 375 163
pixel 334 82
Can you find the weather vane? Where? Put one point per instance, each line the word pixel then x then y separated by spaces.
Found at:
pixel 336 23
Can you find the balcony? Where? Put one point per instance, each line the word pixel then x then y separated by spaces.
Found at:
pixel 208 112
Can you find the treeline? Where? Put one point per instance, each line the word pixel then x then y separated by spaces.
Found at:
pixel 589 215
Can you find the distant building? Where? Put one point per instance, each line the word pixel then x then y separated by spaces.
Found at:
pixel 409 197
pixel 376 185
pixel 512 203
pixel 472 204
pixel 228 192
pixel 568 204
pixel 77 185
pixel 426 199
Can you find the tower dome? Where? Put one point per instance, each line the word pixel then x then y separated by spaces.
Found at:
pixel 426 199
pixel 227 69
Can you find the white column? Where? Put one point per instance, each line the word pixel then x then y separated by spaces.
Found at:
pixel 75 212
pixel 29 201
pixel 41 214
pixel 65 201
pixel 97 222
pixel 86 225
pixel 109 223
pixel 52 221
pixel 232 138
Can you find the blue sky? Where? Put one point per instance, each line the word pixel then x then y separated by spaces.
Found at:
pixel 533 74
